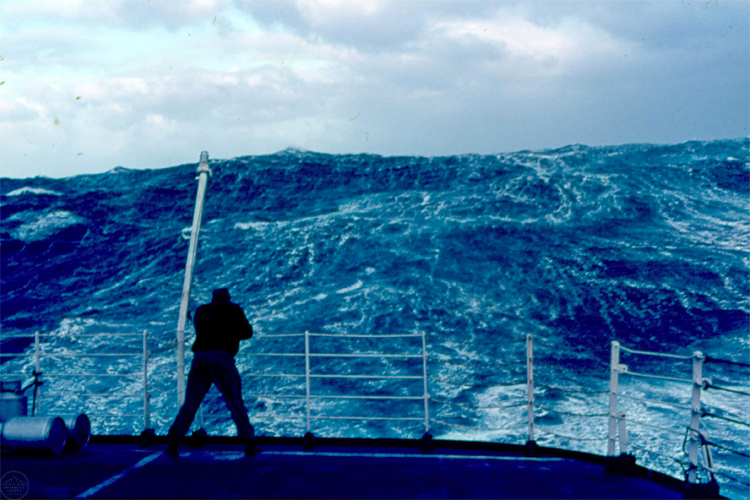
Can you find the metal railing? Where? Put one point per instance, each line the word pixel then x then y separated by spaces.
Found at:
pixel 309 375
pixel 529 393
pixel 696 445
pixel 44 352
pixel 538 393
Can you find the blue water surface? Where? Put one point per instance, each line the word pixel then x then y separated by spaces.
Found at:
pixel 578 246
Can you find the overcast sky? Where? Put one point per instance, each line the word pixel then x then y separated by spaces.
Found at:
pixel 88 85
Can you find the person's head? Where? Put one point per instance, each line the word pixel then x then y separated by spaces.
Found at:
pixel 220 295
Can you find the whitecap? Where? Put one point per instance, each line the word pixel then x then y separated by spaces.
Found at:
pixel 45 225
pixel 355 286
pixel 31 190
pixel 258 226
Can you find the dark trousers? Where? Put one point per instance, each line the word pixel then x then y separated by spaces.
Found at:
pixel 212 367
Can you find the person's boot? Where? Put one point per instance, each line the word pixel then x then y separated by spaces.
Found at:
pixel 173 450
pixel 251 448
pixel 251 445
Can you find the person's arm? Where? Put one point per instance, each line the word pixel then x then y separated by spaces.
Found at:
pixel 244 328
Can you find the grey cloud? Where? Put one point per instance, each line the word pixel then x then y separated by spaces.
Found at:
pixel 169 14
pixel 392 25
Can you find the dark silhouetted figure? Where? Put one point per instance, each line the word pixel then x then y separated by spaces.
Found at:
pixel 219 327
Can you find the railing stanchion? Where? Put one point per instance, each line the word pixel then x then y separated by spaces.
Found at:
pixel 623 434
pixel 424 378
pixel 530 383
pixel 695 416
pixel 614 415
pixel 146 395
pixel 307 377
pixel 38 375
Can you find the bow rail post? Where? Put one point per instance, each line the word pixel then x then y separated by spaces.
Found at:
pixel 695 416
pixel 38 375
pixel 424 378
pixel 307 378
pixel 146 394
pixel 614 387
pixel 530 384
pixel 203 173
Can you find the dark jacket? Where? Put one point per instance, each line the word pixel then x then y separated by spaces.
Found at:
pixel 219 326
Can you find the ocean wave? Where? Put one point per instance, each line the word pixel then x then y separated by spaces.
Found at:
pixel 44 225
pixel 32 190
pixel 579 246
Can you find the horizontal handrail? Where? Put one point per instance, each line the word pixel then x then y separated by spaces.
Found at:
pixel 109 415
pixel 93 374
pixel 490 342
pixel 660 377
pixel 279 396
pixel 87 355
pixel 281 375
pixel 734 391
pixel 706 442
pixel 474 427
pixel 404 377
pixel 290 354
pixel 322 396
pixel 656 354
pixel 105 334
pixel 331 355
pixel 568 390
pixel 323 417
pixel 653 402
pixel 449 382
pixel 657 453
pixel 92 394
pixel 572 414
pixel 726 419
pixel 53 334
pixel 572 438
pixel 725 475
pixel 271 335
pixel 478 407
pixel 365 355
pixel 374 336
pixel 657 427
pixel 284 417
pixel 460 426
pixel 459 384
pixel 711 359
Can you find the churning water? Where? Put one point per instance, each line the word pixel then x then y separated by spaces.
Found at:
pixel 578 246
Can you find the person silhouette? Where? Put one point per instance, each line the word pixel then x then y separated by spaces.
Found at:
pixel 219 328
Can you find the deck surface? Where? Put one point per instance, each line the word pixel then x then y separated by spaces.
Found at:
pixel 126 470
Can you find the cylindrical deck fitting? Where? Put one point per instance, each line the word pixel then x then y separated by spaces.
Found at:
pixel 42 434
pixel 12 404
pixel 79 431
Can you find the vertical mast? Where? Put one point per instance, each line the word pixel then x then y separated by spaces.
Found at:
pixel 203 173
